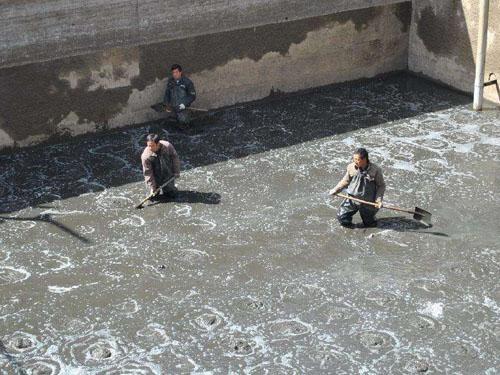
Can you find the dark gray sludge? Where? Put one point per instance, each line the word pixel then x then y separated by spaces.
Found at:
pixel 248 270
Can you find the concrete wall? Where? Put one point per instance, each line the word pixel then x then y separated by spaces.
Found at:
pixel 35 30
pixel 115 86
pixel 443 42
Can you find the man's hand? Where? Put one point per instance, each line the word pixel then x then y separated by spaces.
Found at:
pixel 181 107
pixel 334 191
pixel 378 203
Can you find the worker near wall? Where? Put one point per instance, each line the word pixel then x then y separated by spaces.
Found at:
pixel 159 164
pixel 179 94
pixel 363 180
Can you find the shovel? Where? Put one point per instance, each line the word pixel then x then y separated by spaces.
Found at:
pixel 418 214
pixel 161 107
pixel 154 193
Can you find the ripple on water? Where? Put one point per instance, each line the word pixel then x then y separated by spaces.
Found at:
pixel 490 129
pixel 432 165
pixel 131 367
pixel 432 143
pixel 208 321
pixel 302 292
pixel 289 328
pixel 410 364
pixel 191 256
pixel 41 366
pixel 53 263
pixel 381 298
pixel 251 305
pixel 462 137
pixel 94 349
pixel 405 131
pixel 154 335
pixel 330 358
pixel 376 341
pixel 21 342
pixel 11 275
pixel 421 326
pixel 269 368
pixel 70 326
pixel 106 201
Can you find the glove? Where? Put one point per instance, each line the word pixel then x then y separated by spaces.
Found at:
pixel 379 203
pixel 181 107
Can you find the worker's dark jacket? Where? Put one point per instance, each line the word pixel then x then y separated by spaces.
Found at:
pixel 160 166
pixel 179 92
pixel 367 184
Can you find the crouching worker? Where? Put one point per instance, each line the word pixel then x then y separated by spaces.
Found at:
pixel 159 164
pixel 363 180
pixel 179 95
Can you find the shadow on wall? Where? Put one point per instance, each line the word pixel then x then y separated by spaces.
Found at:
pixel 442 42
pixel 116 86
pixel 37 175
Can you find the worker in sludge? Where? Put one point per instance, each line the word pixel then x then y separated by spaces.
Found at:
pixel 363 180
pixel 160 164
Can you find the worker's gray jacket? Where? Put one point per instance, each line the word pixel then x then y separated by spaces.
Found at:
pixel 367 184
pixel 160 166
pixel 179 92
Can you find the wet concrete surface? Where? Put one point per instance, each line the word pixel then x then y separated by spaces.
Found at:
pixel 248 271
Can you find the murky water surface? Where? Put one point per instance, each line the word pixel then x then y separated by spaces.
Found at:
pixel 248 271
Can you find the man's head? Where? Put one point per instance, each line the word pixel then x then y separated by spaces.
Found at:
pixel 360 158
pixel 153 142
pixel 176 71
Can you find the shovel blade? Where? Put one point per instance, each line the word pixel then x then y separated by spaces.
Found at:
pixel 422 216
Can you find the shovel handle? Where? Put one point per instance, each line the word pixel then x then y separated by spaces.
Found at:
pixel 154 192
pixel 356 199
pixel 394 208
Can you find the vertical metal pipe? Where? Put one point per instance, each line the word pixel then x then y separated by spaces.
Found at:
pixel 481 55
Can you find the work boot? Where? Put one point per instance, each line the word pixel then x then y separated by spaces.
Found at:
pixel 372 224
pixel 349 225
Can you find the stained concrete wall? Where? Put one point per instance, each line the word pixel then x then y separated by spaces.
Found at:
pixel 115 86
pixel 35 30
pixel 443 42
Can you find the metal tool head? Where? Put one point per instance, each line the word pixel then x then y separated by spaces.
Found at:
pixel 423 216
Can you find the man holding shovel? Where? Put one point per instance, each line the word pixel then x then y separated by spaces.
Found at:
pixel 363 180
pixel 160 165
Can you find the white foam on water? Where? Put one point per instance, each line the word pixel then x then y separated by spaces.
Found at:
pixel 52 211
pixel 404 165
pixel 62 289
pixel 183 210
pixel 132 221
pixel 210 225
pixel 488 302
pixel 433 309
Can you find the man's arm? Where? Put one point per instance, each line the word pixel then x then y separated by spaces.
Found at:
pixel 191 93
pixel 167 98
pixel 346 180
pixel 379 181
pixel 149 177
pixel 176 163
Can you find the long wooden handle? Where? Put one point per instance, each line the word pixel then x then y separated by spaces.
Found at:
pixel 356 199
pixel 394 208
pixel 154 193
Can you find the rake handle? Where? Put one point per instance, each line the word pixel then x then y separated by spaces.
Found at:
pixel 394 208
